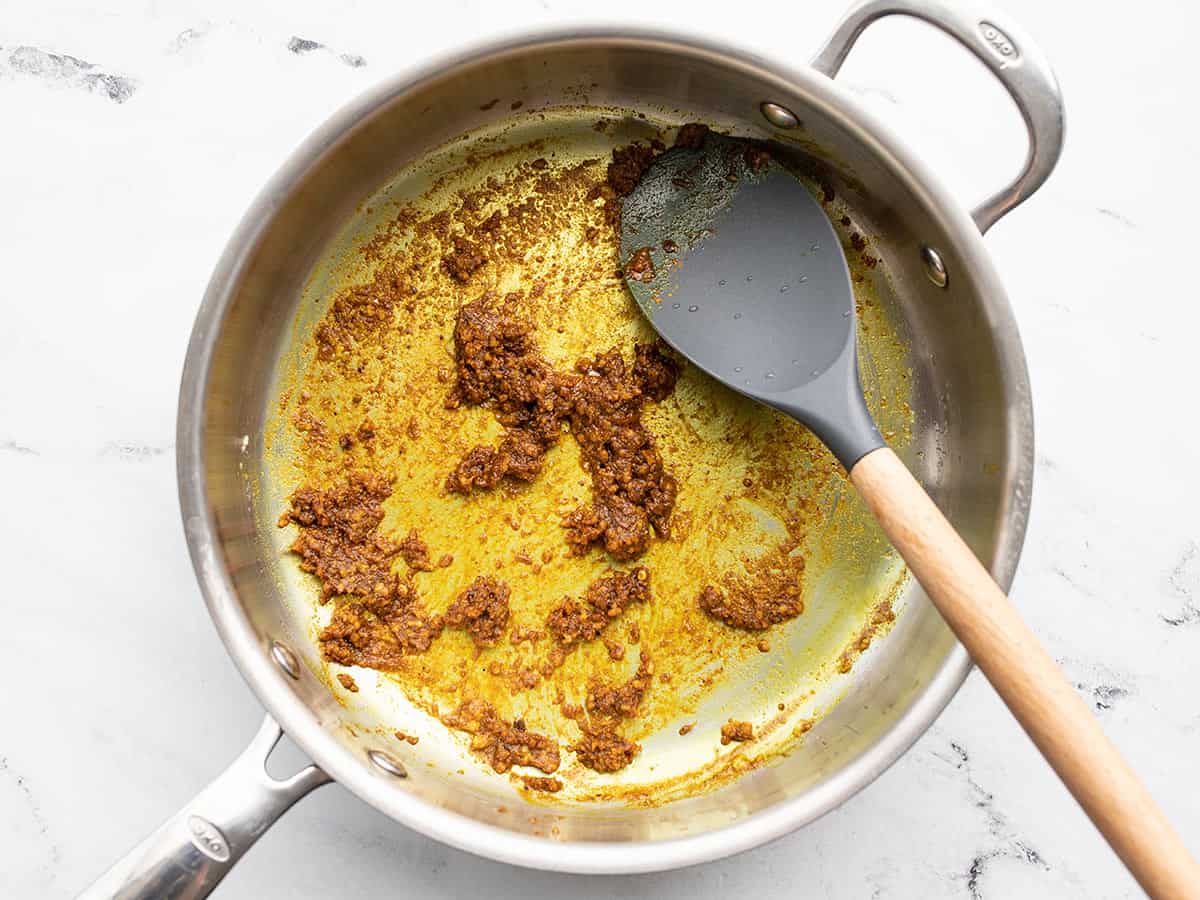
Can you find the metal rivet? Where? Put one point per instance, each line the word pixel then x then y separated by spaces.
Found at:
pixel 934 267
pixel 387 763
pixel 779 116
pixel 285 659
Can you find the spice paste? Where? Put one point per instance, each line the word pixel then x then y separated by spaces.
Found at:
pixel 484 385
pixel 499 367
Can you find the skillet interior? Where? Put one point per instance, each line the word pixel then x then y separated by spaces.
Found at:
pixel 969 444
pixel 749 479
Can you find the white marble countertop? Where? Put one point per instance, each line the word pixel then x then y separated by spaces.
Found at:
pixel 124 175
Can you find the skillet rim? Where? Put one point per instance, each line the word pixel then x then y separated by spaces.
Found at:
pixel 250 652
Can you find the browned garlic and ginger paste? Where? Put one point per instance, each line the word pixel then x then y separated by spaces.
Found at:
pixel 518 504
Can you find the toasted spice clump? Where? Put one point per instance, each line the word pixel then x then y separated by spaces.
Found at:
pixel 541 783
pixel 499 367
pixel 572 622
pixel 603 750
pixel 462 262
pixel 522 633
pixel 377 631
pixel 621 701
pixel 358 313
pixel 503 744
pixel 381 619
pixel 733 730
pixel 520 677
pixel 415 552
pixel 615 593
pixel 632 492
pixel 640 266
pixel 600 746
pixel 338 541
pixel 686 729
pixel 482 609
pixel 627 167
pixel 410 738
pixel 772 594
pixel 605 598
pixel 748 610
pixel 347 681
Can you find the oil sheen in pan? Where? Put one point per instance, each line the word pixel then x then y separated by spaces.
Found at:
pixel 742 471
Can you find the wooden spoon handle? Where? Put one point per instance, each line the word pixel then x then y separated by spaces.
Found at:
pixel 1027 679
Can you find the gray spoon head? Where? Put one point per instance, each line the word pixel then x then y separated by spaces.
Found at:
pixel 749 282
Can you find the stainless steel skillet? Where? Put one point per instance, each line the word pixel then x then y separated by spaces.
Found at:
pixel 971 403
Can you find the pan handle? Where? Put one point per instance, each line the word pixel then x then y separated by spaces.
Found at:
pixel 193 850
pixel 1009 54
